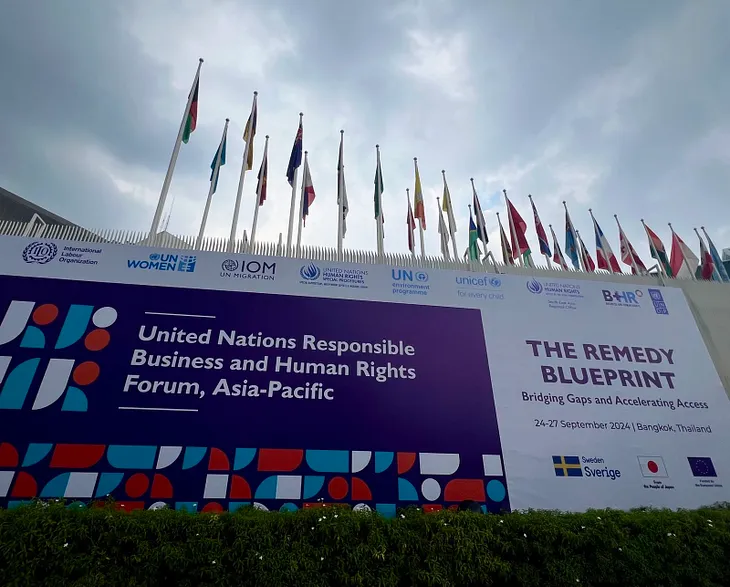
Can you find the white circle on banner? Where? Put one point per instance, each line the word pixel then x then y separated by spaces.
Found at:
pixel 104 317
pixel 362 507
pixel 260 506
pixel 431 489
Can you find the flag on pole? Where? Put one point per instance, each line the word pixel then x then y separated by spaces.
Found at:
pixel 683 261
pixel 518 230
pixel 541 236
pixel 571 240
pixel 411 224
pixel 341 187
pixel 558 254
pixel 588 265
pixel 719 265
pixel 420 211
pixel 295 159
pixel 309 194
pixel 606 259
pixel 444 233
pixel 262 176
pixel 658 252
pixel 250 132
pixel 192 119
pixel 707 268
pixel 481 224
pixel 628 254
pixel 448 208
pixel 219 160
pixel 473 239
pixel 506 249
pixel 379 191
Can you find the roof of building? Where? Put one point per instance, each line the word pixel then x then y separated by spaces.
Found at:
pixel 13 207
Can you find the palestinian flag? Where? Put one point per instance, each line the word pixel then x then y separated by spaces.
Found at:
pixel 192 120
pixel 658 252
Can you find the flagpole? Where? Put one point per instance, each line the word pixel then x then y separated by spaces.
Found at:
pixel 684 257
pixel 575 238
pixel 239 192
pixel 450 213
pixel 702 260
pixel 581 253
pixel 173 158
pixel 301 208
pixel 652 248
pixel 534 210
pixel 634 265
pixel 340 198
pixel 420 221
pixel 213 184
pixel 608 261
pixel 555 245
pixel 512 235
pixel 379 219
pixel 442 224
pixel 258 197
pixel 292 207
pixel 716 271
pixel 410 230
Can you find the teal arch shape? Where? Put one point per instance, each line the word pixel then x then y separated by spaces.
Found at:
pixel 36 452
pixel 108 482
pixel 267 488
pixel 122 456
pixel 288 507
pixel 329 461
pixel 17 385
pixel 75 400
pixel 387 510
pixel 76 505
pixel 243 458
pixel 193 455
pixel 383 460
pixel 406 491
pixel 33 338
pixel 56 487
pixel 75 325
pixel 312 486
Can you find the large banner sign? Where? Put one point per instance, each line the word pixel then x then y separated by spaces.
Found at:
pixel 210 381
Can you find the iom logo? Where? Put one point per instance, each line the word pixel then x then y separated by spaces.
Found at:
pixel 40 327
pixel 534 286
pixel 40 253
pixel 310 272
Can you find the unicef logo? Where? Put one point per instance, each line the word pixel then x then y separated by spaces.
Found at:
pixel 534 286
pixel 40 253
pixel 230 265
pixel 495 282
pixel 310 272
pixel 421 276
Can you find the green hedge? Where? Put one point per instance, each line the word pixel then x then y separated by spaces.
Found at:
pixel 54 545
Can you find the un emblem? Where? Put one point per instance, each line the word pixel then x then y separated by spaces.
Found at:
pixel 40 253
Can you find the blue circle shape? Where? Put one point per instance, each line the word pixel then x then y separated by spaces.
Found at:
pixel 496 490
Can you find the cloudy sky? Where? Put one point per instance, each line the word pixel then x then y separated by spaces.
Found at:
pixel 617 106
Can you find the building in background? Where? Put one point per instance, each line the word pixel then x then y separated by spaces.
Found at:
pixel 16 209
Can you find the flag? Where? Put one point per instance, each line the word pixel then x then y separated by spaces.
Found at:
pixel 658 252
pixel 571 241
pixel 517 229
pixel 420 211
pixel 683 261
pixel 263 173
pixel 606 259
pixel 652 466
pixel 473 239
pixel 295 159
pixel 707 268
pixel 249 133
pixel 341 187
pixel 309 195
pixel 448 208
pixel 558 255
pixel 192 119
pixel 506 249
pixel 219 160
pixel 481 225
pixel 719 265
pixel 588 264
pixel 379 190
pixel 444 232
pixel 411 223
pixel 628 254
pixel 541 236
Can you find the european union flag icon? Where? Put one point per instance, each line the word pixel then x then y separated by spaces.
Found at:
pixel 567 466
pixel 702 466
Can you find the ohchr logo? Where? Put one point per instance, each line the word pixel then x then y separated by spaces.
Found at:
pixel 40 253
pixel 39 327
pixel 310 272
pixel 534 286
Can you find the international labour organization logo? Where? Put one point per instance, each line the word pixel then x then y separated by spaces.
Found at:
pixel 229 265
pixel 310 272
pixel 39 327
pixel 40 253
pixel 534 286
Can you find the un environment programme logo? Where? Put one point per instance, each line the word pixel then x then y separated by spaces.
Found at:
pixel 40 327
pixel 407 282
pixel 534 286
pixel 310 272
pixel 40 253
pixel 164 262
pixel 248 269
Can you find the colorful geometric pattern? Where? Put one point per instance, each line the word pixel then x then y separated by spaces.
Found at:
pixel 211 479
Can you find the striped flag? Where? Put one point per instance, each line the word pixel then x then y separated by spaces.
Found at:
pixel 420 210
pixel 481 224
pixel 719 265
pixel 506 249
pixel 308 194
pixel 558 254
pixel 411 224
pixel 541 236
pixel 191 122
pixel 588 265
pixel 250 132
pixel 683 261
pixel 571 240
pixel 606 259
pixel 295 159
pixel 517 229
